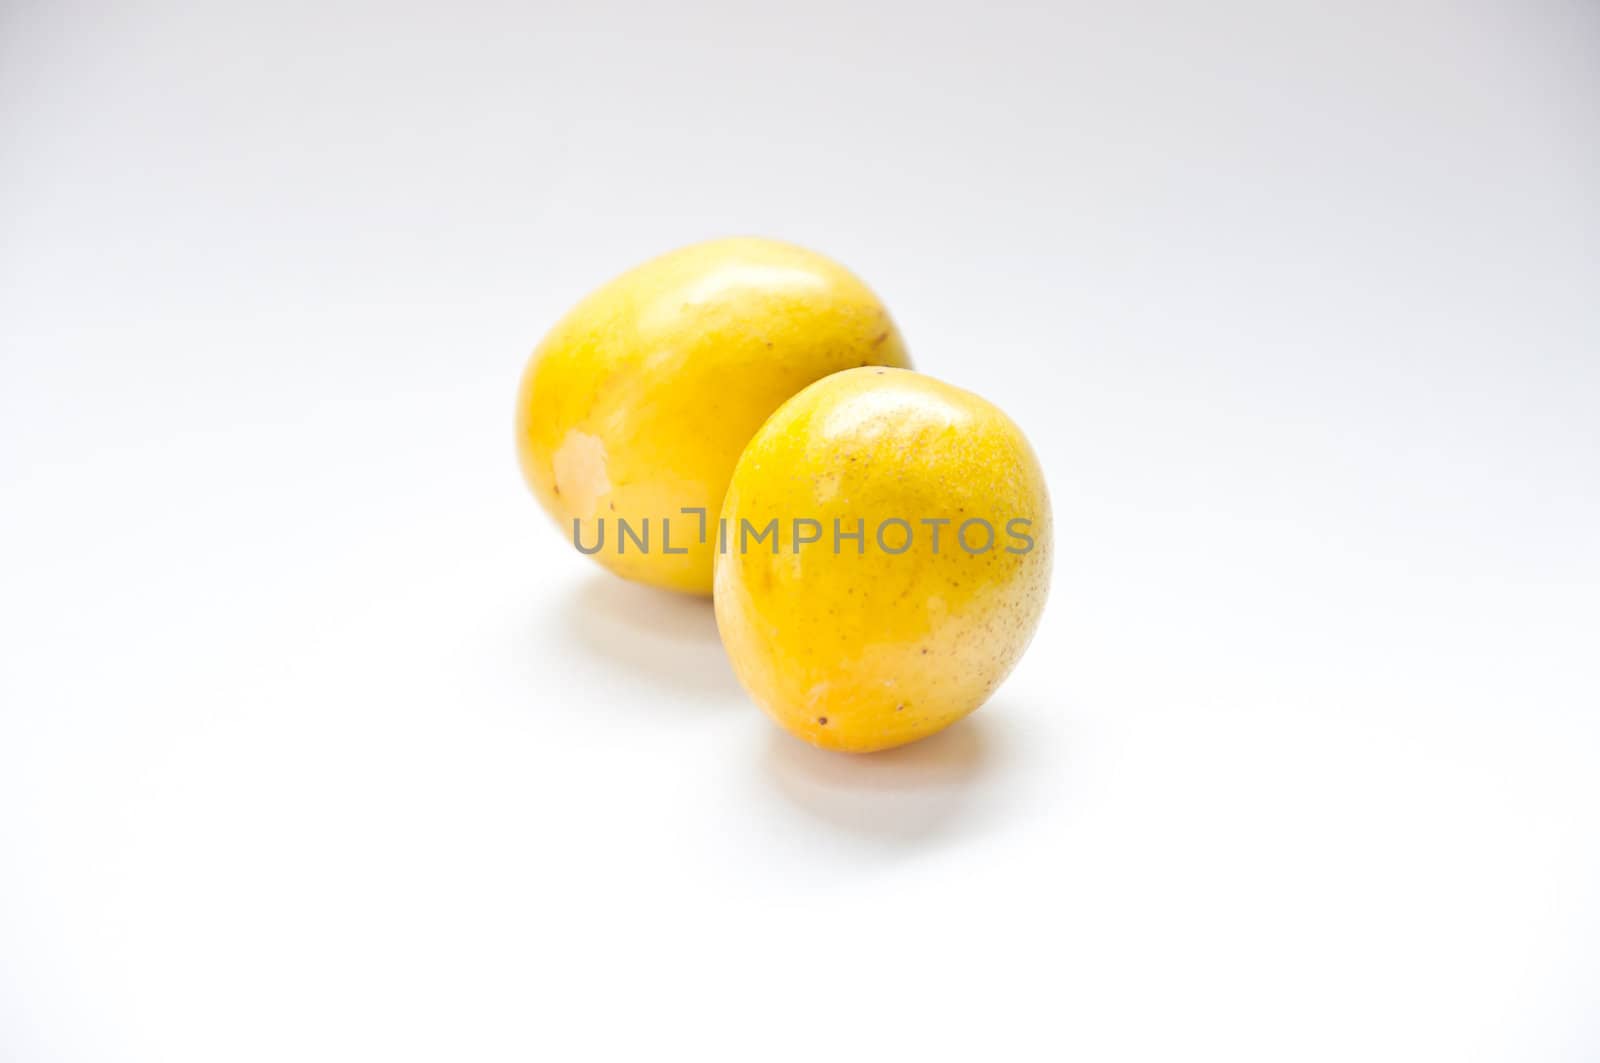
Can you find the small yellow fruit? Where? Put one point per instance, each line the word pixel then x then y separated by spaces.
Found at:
pixel 637 404
pixel 861 645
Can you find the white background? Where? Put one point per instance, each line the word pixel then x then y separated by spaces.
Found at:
pixel 318 743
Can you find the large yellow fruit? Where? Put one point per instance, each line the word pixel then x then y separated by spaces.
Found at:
pixel 865 645
pixel 637 404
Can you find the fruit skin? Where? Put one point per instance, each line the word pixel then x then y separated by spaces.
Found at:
pixel 640 400
pixel 866 651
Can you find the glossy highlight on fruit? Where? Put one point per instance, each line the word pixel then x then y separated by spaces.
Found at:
pixel 862 646
pixel 638 403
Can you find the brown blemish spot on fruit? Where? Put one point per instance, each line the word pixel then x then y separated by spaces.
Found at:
pixel 900 708
pixel 823 720
pixel 880 337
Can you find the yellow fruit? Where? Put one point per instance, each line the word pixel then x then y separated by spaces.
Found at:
pixel 637 404
pixel 864 646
